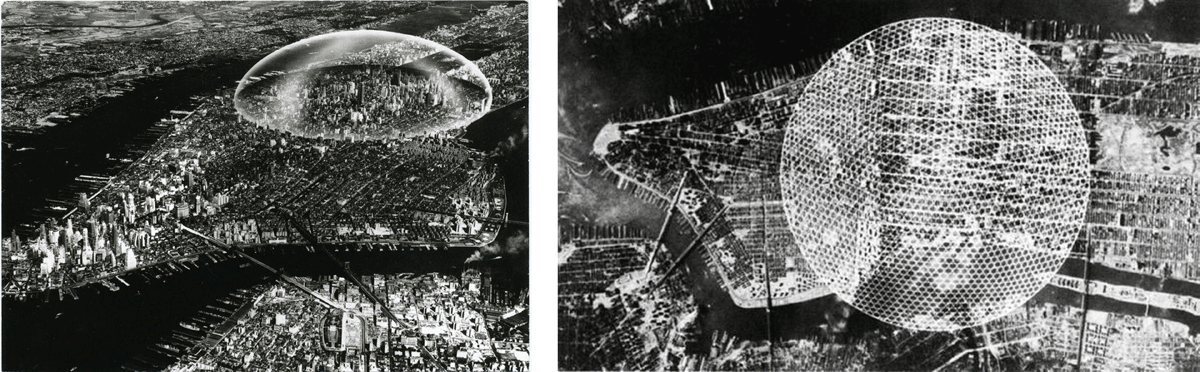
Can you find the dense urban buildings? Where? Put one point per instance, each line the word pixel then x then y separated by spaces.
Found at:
pixel 167 185
pixel 934 174
pixel 709 153
pixel 448 327
pixel 615 312
pixel 227 179
pixel 363 84
pixel 647 167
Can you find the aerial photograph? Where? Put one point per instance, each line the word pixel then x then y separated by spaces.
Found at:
pixel 258 186
pixel 879 185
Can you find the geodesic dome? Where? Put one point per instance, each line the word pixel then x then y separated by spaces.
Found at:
pixel 935 174
pixel 363 84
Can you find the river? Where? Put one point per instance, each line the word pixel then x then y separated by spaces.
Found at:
pixel 102 332
pixel 94 144
pixel 599 77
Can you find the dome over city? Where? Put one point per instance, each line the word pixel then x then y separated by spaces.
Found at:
pixel 936 174
pixel 363 85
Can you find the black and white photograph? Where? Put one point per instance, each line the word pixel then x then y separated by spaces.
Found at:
pixel 879 185
pixel 265 186
pixel 600 185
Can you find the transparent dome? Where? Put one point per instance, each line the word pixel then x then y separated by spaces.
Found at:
pixel 363 85
pixel 936 174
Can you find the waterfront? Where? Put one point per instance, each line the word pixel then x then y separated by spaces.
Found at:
pixel 43 167
pixel 448 198
pixel 102 332
pixel 642 71
pixel 99 144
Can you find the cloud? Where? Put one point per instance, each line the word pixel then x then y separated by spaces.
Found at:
pixel 513 142
pixel 514 245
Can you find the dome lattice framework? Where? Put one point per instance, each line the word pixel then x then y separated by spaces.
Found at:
pixel 936 174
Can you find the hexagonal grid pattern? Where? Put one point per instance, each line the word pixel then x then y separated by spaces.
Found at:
pixel 935 174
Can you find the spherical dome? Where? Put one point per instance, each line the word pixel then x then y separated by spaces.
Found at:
pixel 363 85
pixel 935 175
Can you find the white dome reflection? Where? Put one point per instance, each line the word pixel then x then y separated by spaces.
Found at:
pixel 363 85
